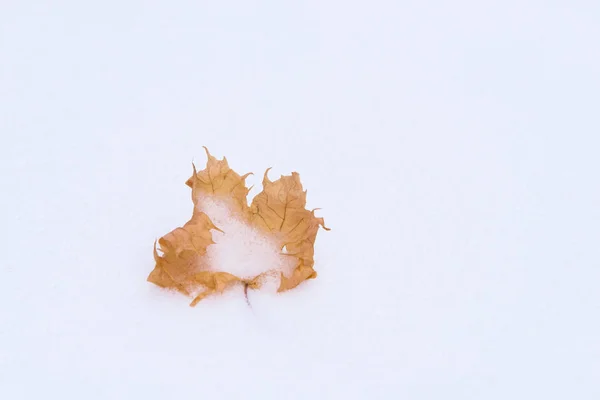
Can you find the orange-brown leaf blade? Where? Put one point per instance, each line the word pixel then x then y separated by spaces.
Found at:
pixel 280 210
pixel 220 181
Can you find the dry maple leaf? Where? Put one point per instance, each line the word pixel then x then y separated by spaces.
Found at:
pixel 278 212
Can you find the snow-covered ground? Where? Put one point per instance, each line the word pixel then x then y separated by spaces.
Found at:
pixel 452 146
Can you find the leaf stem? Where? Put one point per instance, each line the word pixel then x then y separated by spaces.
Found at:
pixel 246 294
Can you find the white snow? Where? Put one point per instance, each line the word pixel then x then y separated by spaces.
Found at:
pixel 452 146
pixel 241 249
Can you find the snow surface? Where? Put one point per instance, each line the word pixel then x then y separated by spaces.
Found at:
pixel 452 146
pixel 241 249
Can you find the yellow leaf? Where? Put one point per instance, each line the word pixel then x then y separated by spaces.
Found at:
pixel 278 211
pixel 220 181
pixel 182 250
